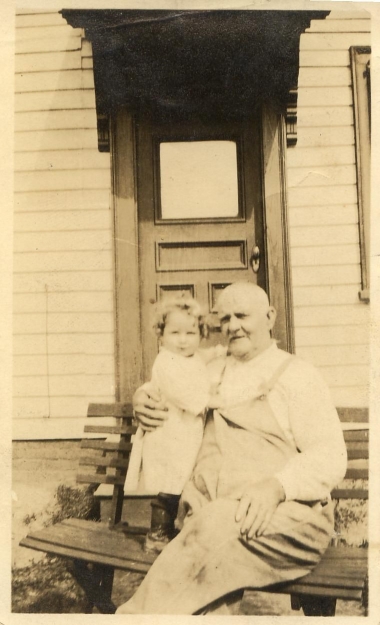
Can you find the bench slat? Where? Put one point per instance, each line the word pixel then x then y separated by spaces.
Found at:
pixel 353 415
pixel 337 593
pixel 105 445
pixel 121 527
pixel 100 478
pixel 357 453
pixel 110 410
pixel 357 473
pixel 107 542
pixel 349 493
pixel 343 553
pixel 80 554
pixel 110 429
pixel 356 435
pixel 94 542
pixel 101 461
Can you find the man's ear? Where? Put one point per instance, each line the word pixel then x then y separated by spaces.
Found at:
pixel 271 314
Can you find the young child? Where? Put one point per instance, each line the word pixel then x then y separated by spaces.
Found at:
pixel 180 375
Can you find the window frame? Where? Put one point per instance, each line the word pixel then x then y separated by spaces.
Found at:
pixel 361 86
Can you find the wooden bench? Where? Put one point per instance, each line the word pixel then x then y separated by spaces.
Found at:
pixel 98 548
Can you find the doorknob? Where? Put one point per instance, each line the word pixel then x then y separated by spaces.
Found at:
pixel 254 261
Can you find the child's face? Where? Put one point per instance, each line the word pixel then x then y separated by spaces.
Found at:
pixel 181 333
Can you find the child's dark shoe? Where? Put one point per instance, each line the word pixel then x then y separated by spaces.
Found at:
pixel 157 539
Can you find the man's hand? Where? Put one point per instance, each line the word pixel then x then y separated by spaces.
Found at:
pixel 149 408
pixel 257 505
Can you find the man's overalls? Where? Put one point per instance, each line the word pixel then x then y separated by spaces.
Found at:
pixel 209 559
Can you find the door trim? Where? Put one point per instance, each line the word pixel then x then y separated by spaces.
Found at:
pixel 277 254
pixel 128 357
pixel 128 360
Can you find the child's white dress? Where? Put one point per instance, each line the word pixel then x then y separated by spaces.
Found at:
pixel 168 453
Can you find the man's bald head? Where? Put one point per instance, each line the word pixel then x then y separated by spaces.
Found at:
pixel 247 291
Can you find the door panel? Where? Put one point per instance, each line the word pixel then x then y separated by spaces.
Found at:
pixel 214 167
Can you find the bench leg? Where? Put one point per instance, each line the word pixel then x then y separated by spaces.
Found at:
pixel 317 606
pixel 365 597
pixel 96 581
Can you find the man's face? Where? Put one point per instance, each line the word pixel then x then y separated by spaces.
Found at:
pixel 246 321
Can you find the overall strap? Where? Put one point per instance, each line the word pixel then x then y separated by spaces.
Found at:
pixel 278 373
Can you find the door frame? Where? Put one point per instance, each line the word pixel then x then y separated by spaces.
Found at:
pixel 128 360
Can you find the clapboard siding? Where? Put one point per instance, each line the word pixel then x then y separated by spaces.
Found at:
pixel 61 139
pixel 63 261
pixel 346 376
pixel 46 81
pixel 62 386
pixel 59 44
pixel 68 344
pixel 63 302
pixel 59 121
pixel 329 275
pixel 332 335
pixel 315 316
pixel 353 25
pixel 56 31
pixel 334 40
pixel 355 396
pixel 325 96
pixel 56 221
pixel 329 215
pixel 87 63
pixel 68 241
pixel 335 254
pixel 328 136
pixel 325 77
pixel 60 159
pixel 326 116
pixel 48 61
pixel 322 156
pixel 69 364
pixel 63 281
pixel 322 236
pixel 331 324
pixel 40 19
pixel 332 355
pixel 345 194
pixel 324 295
pixel 55 100
pixel 321 176
pixel 71 179
pixel 58 407
pixel 62 200
pixel 324 58
pixel 34 262
pixel 62 323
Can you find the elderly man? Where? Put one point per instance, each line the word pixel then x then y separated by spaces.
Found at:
pixel 258 507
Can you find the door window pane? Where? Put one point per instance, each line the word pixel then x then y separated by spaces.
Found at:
pixel 199 180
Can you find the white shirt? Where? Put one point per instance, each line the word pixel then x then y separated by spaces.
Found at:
pixel 302 405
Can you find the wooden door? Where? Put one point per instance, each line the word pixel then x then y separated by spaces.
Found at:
pixel 200 213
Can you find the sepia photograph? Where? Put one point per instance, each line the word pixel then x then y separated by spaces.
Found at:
pixel 191 309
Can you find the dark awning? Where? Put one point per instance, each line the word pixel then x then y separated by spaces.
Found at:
pixel 222 62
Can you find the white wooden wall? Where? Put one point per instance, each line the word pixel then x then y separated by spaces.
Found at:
pixel 331 324
pixel 63 281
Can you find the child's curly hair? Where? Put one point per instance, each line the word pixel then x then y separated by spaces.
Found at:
pixel 179 302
